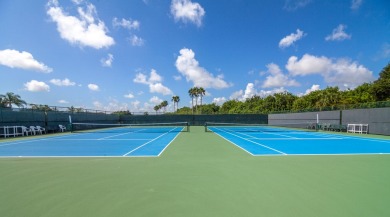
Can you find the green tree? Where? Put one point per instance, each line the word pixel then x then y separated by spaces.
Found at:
pixel 201 92
pixel 176 100
pixel 10 99
pixel 382 85
pixel 156 108
pixel 192 92
pixel 164 104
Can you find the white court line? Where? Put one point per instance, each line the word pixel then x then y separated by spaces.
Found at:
pixel 97 139
pixel 120 134
pixel 265 132
pixel 334 138
pixel 255 142
pixel 148 142
pixel 30 140
pixel 168 145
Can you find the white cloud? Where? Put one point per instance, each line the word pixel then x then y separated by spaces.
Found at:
pixel 65 82
pixel 129 96
pixel 84 30
pixel 277 78
pixel 308 65
pixel 314 87
pixel 291 39
pixel 219 100
pixel 37 86
pixel 136 41
pixel 127 24
pixel 189 67
pixel 154 82
pixel 340 72
pixel 93 87
pixel 154 77
pixel 107 62
pixel 251 91
pixel 187 11
pixel 160 88
pixel 355 4
pixel 62 101
pixel 292 5
pixel 23 60
pixel 177 77
pixel 113 105
pixel 155 100
pixel 338 34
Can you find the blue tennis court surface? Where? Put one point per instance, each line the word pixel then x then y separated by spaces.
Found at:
pixel 136 143
pixel 270 142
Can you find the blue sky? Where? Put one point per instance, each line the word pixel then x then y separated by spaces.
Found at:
pixel 131 55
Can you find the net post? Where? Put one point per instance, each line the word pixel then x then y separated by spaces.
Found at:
pixel 205 127
pixel 188 127
pixel 70 124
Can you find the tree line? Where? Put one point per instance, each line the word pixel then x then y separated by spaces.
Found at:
pixel 329 98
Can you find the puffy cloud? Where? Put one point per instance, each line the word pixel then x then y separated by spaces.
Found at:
pixel 155 100
pixel 355 4
pixel 93 87
pixel 37 86
pixel 107 62
pixel 154 82
pixel 113 105
pixel 308 65
pixel 189 67
pixel 340 72
pixel 314 87
pixel 292 5
pixel 127 24
pixel 84 30
pixel 23 60
pixel 291 39
pixel 251 91
pixel 65 82
pixel 187 11
pixel 160 88
pixel 277 78
pixel 129 96
pixel 219 100
pixel 136 41
pixel 62 101
pixel 338 34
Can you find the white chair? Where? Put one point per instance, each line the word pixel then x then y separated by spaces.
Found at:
pixel 33 130
pixel 62 128
pixel 41 129
pixel 26 131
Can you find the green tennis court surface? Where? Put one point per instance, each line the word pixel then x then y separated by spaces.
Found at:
pixel 199 174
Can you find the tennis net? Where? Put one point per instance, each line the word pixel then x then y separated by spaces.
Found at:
pixel 130 128
pixel 242 127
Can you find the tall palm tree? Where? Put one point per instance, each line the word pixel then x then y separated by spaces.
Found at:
pixel 193 94
pixel 10 98
pixel 156 108
pixel 176 100
pixel 164 104
pixel 201 92
pixel 2 104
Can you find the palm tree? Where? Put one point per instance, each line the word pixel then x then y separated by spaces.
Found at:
pixel 193 94
pixel 2 103
pixel 10 98
pixel 156 108
pixel 201 93
pixel 176 100
pixel 164 104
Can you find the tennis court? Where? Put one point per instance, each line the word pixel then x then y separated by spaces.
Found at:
pixel 98 140
pixel 270 141
pixel 199 174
